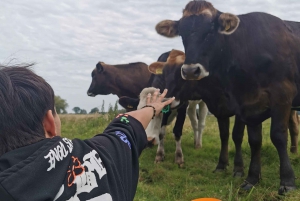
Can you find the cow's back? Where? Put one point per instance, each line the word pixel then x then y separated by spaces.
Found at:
pixel 294 27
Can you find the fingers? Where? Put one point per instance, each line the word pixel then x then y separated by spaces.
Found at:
pixel 148 98
pixel 169 101
pixel 158 98
pixel 161 97
pixel 155 94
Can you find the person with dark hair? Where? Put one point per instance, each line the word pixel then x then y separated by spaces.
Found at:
pixel 37 164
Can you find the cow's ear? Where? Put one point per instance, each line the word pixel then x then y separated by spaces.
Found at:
pixel 228 23
pixel 156 67
pixel 167 28
pixel 129 103
pixel 99 67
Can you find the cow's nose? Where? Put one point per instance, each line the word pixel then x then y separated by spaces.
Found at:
pixel 90 94
pixel 190 73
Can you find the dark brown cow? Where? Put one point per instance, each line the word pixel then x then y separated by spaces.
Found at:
pixel 114 79
pixel 256 56
pixel 215 99
pixel 218 104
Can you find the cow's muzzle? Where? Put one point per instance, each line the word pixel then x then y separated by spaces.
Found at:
pixel 90 94
pixel 193 72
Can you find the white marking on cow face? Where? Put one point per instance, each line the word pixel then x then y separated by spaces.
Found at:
pixel 193 72
pixel 154 127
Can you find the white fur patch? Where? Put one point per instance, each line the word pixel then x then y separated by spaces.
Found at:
pixel 175 103
pixel 143 96
pixel 154 127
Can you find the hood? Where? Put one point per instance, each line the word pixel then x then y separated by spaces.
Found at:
pixel 27 172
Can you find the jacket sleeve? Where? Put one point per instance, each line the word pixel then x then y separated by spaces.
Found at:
pixel 129 132
pixel 121 145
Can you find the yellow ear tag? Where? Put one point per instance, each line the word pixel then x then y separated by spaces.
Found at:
pixel 158 71
pixel 227 27
pixel 129 106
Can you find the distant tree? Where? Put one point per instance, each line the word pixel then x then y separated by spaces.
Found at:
pixel 102 108
pixel 116 107
pixel 60 105
pixel 83 111
pixel 94 110
pixel 110 109
pixel 76 110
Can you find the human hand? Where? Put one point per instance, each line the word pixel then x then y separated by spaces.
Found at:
pixel 155 100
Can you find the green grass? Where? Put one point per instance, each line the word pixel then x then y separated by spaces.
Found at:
pixel 167 182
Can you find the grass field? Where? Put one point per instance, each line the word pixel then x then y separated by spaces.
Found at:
pixel 167 182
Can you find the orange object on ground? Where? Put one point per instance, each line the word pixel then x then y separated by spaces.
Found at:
pixel 207 199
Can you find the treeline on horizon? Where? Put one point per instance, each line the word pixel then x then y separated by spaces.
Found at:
pixel 61 106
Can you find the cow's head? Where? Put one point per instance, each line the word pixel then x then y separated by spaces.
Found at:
pixel 100 80
pixel 202 29
pixel 170 71
pixel 154 126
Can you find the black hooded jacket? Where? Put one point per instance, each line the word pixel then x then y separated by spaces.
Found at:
pixel 104 167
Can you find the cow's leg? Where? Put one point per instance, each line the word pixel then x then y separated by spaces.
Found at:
pixel 237 137
pixel 294 130
pixel 279 124
pixel 201 122
pixel 192 113
pixel 255 141
pixel 160 153
pixel 177 130
pixel 223 124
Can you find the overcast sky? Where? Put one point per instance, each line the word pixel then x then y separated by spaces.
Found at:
pixel 66 38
